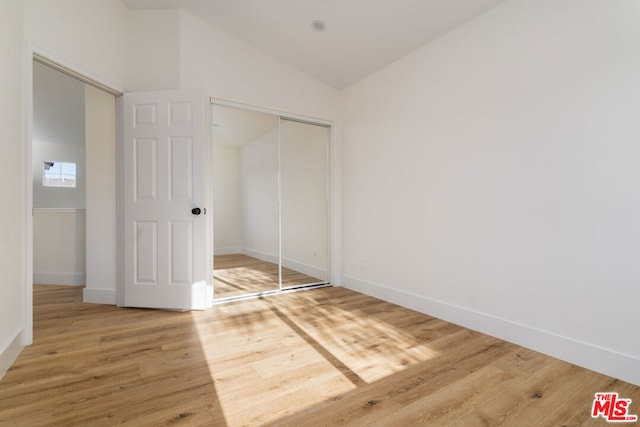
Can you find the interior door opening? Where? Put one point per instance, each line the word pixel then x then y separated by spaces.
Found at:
pixel 59 178
pixel 73 191
pixel 71 170
pixel 270 192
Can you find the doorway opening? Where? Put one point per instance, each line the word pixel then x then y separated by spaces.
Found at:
pixel 59 178
pixel 71 176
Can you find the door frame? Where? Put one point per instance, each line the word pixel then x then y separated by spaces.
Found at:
pixel 35 53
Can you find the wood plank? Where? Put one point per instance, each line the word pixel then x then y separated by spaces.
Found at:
pixel 320 357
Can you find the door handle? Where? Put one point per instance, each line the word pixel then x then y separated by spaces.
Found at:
pixel 196 211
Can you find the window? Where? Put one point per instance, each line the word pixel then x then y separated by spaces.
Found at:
pixel 59 174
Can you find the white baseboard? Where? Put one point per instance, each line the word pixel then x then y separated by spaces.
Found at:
pixel 227 251
pixel 49 278
pixel 303 268
pixel 10 351
pixel 58 211
pixel 260 255
pixel 618 365
pixel 99 296
pixel 309 270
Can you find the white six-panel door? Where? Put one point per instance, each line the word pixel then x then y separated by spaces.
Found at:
pixel 165 252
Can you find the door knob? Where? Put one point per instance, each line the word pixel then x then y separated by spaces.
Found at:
pixel 196 211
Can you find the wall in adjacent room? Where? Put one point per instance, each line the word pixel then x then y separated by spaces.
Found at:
pixel 58 135
pixel 59 214
pixel 59 246
pixel 100 147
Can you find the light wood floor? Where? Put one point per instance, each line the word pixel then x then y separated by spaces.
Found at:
pixel 239 274
pixel 322 357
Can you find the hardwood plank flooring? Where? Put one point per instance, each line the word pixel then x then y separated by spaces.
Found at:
pixel 326 356
pixel 239 274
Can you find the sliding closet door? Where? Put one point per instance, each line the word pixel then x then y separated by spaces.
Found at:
pixel 245 194
pixel 304 209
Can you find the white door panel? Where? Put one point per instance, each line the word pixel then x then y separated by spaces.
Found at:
pixel 165 243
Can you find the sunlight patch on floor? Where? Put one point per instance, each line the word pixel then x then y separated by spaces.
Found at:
pixel 274 369
pixel 284 356
pixel 369 346
pixel 245 275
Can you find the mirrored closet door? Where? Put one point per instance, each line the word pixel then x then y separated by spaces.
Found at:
pixel 304 203
pixel 270 199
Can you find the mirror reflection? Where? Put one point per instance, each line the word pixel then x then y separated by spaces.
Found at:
pixel 303 171
pixel 269 234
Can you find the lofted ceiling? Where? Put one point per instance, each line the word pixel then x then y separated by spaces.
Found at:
pixel 360 36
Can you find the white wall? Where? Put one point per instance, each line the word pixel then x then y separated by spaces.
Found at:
pixel 491 178
pixel 228 234
pixel 303 176
pixel 100 128
pixel 154 56
pixel 59 246
pixel 12 290
pixel 58 107
pixel 91 36
pixel 231 69
pixel 259 197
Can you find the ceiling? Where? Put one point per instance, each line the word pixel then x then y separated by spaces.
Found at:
pixel 361 36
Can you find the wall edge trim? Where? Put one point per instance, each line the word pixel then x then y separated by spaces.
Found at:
pixel 606 361
pixel 99 296
pixel 10 351
pixel 58 278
